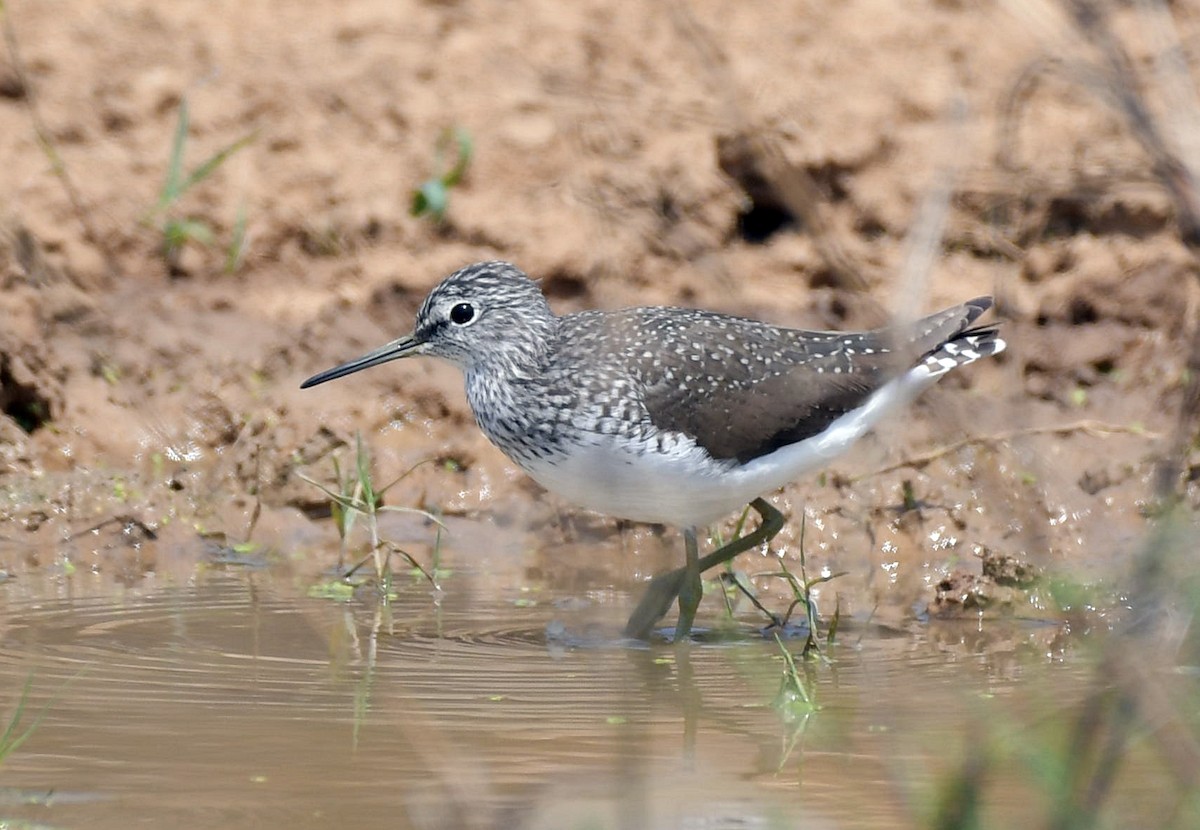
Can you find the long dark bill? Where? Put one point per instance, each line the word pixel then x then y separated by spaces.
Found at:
pixel 392 351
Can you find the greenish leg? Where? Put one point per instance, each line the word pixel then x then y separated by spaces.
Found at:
pixel 665 587
pixel 768 529
pixel 691 589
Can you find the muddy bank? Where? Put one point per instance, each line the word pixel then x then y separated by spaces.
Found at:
pixel 615 158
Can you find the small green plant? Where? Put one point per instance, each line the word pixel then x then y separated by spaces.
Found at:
pixel 802 585
pixel 795 689
pixel 433 197
pixel 795 701
pixel 802 595
pixel 357 496
pixel 13 735
pixel 235 254
pixel 178 230
pixel 734 581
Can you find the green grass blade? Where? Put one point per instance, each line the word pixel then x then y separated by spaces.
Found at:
pixel 436 558
pixel 10 741
pixel 831 632
pixel 405 474
pixel 178 232
pixel 171 189
pixel 362 457
pixel 355 507
pixel 466 150
pixel 210 165
pixel 425 514
pixel 236 254
pixel 347 502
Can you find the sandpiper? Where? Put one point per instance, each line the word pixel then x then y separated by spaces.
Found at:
pixel 670 415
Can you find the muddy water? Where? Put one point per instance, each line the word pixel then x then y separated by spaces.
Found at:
pixel 233 699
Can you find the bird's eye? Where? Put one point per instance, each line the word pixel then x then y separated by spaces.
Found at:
pixel 462 314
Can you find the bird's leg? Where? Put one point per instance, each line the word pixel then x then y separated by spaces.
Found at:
pixel 655 603
pixel 771 522
pixel 665 587
pixel 691 589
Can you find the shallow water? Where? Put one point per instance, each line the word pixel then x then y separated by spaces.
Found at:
pixel 233 699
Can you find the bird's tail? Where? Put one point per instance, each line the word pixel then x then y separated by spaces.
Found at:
pixel 965 347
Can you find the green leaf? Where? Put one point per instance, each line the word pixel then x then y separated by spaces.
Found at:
pixel 431 198
pixel 218 158
pixel 178 232
pixel 237 245
pixel 171 186
pixel 363 461
pixel 465 150
pixel 10 741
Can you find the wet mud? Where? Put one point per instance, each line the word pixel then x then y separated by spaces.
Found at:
pixel 771 163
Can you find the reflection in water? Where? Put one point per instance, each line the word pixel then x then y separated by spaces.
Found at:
pixel 237 701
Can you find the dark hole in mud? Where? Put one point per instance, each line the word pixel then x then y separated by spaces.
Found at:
pixel 1081 312
pixel 314 510
pixel 28 409
pixel 667 208
pixel 764 212
pixel 758 223
pixel 838 309
pixel 1066 217
pixel 870 226
pixel 826 277
pixel 563 285
pixel 116 122
pixel 11 86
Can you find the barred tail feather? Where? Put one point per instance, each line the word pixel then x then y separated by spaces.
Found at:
pixel 966 347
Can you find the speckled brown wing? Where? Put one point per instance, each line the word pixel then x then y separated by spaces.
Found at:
pixel 771 387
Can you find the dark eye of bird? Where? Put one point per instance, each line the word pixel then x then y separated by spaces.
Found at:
pixel 462 314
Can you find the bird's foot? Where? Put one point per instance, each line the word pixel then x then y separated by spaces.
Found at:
pixel 664 588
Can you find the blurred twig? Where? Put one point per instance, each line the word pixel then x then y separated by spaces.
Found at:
pixel 925 238
pixel 1088 426
pixel 1116 80
pixel 1086 50
pixel 1120 87
pixel 1127 700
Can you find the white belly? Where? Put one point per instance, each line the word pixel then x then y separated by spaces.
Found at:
pixel 686 487
pixel 670 489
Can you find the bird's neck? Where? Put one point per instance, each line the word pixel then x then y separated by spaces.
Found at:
pixel 521 356
pixel 499 381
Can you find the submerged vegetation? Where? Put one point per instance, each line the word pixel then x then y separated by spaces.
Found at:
pixel 15 733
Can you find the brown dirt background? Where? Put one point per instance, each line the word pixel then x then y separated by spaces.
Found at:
pixel 134 390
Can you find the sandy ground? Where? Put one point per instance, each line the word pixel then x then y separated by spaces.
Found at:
pixel 615 158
